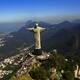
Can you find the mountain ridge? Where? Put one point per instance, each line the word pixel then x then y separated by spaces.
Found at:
pixel 58 36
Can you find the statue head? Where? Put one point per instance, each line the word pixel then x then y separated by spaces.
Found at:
pixel 36 25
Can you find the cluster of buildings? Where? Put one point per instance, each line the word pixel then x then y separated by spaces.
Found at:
pixel 2 42
pixel 4 72
pixel 3 37
pixel 3 66
pixel 12 61
pixel 25 59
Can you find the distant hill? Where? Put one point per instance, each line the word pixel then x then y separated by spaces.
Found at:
pixel 76 21
pixel 63 36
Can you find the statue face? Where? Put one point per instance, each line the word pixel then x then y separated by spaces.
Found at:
pixel 36 25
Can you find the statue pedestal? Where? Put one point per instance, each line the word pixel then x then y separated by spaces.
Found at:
pixel 37 52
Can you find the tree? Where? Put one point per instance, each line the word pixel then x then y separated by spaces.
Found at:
pixel 23 77
pixel 39 74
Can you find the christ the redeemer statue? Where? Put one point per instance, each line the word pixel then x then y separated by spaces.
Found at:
pixel 37 39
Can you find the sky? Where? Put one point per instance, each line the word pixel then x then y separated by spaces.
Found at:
pixel 21 10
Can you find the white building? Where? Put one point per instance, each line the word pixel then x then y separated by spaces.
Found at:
pixel 77 72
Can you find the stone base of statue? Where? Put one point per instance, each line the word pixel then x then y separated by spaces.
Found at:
pixel 37 51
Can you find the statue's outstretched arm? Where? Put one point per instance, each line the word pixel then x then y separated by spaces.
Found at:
pixel 43 29
pixel 30 29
